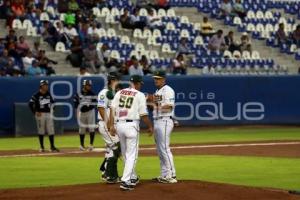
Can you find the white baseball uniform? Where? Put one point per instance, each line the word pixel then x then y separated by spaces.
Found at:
pixel 109 140
pixel 163 126
pixel 129 105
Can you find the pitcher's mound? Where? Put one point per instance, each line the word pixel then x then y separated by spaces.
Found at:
pixel 147 190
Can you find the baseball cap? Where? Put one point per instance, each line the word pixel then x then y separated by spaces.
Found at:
pixel 136 79
pixel 87 82
pixel 44 82
pixel 159 74
pixel 113 76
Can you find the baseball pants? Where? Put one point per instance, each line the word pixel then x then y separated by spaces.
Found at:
pixel 110 141
pixel 129 138
pixel 45 124
pixel 86 121
pixel 163 128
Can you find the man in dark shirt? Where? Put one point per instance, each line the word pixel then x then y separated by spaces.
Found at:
pixel 85 104
pixel 41 106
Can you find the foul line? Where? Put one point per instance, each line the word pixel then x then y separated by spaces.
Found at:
pixel 100 150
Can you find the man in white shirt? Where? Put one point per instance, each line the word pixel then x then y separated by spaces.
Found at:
pixel 163 112
pixel 127 108
pixel 70 31
pixel 136 68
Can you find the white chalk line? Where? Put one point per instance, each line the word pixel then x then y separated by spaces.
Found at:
pixel 101 150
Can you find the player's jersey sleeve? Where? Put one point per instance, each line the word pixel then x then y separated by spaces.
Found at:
pixel 169 96
pixel 115 101
pixel 142 109
pixel 102 99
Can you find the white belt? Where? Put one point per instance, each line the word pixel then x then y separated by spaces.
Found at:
pixel 163 117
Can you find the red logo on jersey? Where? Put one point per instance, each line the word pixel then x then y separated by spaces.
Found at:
pixel 123 113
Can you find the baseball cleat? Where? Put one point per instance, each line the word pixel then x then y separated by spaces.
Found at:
pixel 126 187
pixel 134 182
pixel 82 148
pixel 90 148
pixel 113 180
pixel 168 180
pixel 157 179
pixel 42 150
pixel 103 177
pixel 54 149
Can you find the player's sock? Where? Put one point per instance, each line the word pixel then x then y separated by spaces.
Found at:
pixel 41 139
pixel 92 136
pixel 51 139
pixel 82 139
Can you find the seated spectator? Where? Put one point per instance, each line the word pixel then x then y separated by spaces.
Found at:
pixel 91 59
pixel 34 69
pixel 69 34
pixel 80 18
pixel 11 36
pixel 206 28
pixel 183 47
pixel 18 9
pixel 144 63
pixel 2 71
pixel 8 13
pixel 93 33
pixel 63 6
pixel 36 49
pixel 83 72
pixel 239 9
pixel 70 19
pixel 154 22
pixel 230 43
pixel 217 42
pixel 123 70
pixel 136 21
pixel 296 36
pixel 103 55
pixel 73 6
pixel 125 20
pixel 245 43
pixel 226 8
pixel 49 34
pixel 208 70
pixel 113 65
pixel 281 35
pixel 136 68
pixel 142 3
pixel 83 32
pixel 44 62
pixel 6 60
pixel 179 65
pixel 27 60
pixel 22 46
pixel 16 72
pixel 76 52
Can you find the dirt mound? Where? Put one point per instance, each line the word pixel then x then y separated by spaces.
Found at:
pixel 189 190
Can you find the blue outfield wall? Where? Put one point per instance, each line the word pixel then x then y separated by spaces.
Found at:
pixel 200 100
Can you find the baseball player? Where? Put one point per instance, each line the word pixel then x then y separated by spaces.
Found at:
pixel 163 111
pixel 109 166
pixel 127 107
pixel 85 104
pixel 41 106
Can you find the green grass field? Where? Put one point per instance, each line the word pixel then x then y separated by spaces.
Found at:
pixel 274 172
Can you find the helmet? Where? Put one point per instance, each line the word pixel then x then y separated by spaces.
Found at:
pixel 87 82
pixel 44 82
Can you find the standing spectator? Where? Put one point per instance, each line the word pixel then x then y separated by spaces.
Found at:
pixel 226 8
pixel 230 43
pixel 281 35
pixel 145 65
pixel 206 27
pixel 136 68
pixel 239 9
pixel 91 59
pixel 179 65
pixel 296 36
pixel 34 69
pixel 27 60
pixel 76 53
pixel 73 6
pixel 22 46
pixel 217 42
pixel 245 43
pixel 183 47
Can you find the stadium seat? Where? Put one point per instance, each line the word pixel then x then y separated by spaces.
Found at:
pixel 184 20
pixel 171 13
pixel 32 31
pixel 146 34
pixel 154 55
pixel 237 21
pixel 17 24
pixel 104 12
pixel 293 49
pixel 139 47
pixel 246 55
pixel 260 15
pixel 101 32
pixel 137 33
pixel 26 24
pixel 268 15
pixel 111 32
pixel 184 33
pixel 115 54
pixel 60 47
pixel 255 55
pixel 143 12
pixel 44 17
pixel 115 12
pixel 96 12
pixel 227 54
pixel 250 27
pixel 156 33
pixel 251 14
pixel 51 11
pixel 161 13
pixel 166 48
pixel 170 26
pixel 99 45
pixel 125 39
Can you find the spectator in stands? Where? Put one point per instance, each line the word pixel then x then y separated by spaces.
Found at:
pixel 2 71
pixel 9 15
pixel 124 69
pixel 245 43
pixel 27 60
pixel 281 35
pixel 76 52
pixel 136 68
pixel 230 43
pixel 16 72
pixel 49 34
pixel 91 59
pixel 136 21
pixel 63 6
pixel 145 65
pixel 125 20
pixel 34 69
pixel 142 3
pixel 2 9
pixel 154 22
pixel 11 36
pixel 44 63
pixel 93 33
pixel 179 65
pixel 217 42
pixel 113 65
pixel 161 4
pixel 239 9
pixel 88 4
pixel 80 18
pixel 2 46
pixel 296 36
pixel 70 19
pixel 73 6
pixel 103 55
pixel 226 8
pixel 18 9
pixel 22 46
pixel 183 47
pixel 208 70
pixel 70 33
pixel 36 49
pixel 206 27
pixel 6 60
pixel 83 71
pixel 101 3
pixel 83 32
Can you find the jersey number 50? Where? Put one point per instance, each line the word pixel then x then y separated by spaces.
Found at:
pixel 126 102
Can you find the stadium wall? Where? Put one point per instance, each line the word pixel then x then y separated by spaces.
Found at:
pixel 201 100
